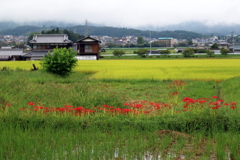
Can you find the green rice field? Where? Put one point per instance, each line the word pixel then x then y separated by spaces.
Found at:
pixel 184 109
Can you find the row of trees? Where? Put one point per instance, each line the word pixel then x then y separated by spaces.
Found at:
pixel 189 52
pixel 146 44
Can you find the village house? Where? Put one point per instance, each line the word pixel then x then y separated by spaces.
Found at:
pixel 43 43
pixel 11 54
pixel 88 48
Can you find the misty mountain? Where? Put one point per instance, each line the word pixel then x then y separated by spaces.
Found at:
pixel 192 26
pixel 103 31
pixel 7 25
pixel 22 30
pixel 199 27
pixel 44 24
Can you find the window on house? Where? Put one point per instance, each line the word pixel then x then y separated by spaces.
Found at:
pixel 88 48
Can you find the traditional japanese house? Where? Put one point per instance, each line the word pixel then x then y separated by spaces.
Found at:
pixel 11 55
pixel 88 48
pixel 42 43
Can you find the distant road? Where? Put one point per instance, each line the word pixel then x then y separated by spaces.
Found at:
pixel 175 54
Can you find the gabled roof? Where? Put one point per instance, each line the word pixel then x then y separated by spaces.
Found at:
pixel 88 39
pixel 11 52
pixel 50 38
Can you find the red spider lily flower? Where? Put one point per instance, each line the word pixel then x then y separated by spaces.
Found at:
pixel 144 102
pixel 220 100
pixel 152 103
pixel 39 107
pixel 79 109
pixel 31 103
pixel 176 111
pixel 175 93
pixel 189 100
pixel 36 110
pixel 170 86
pixel 233 103
pixel 138 106
pixel 125 104
pixel 68 106
pixel 214 107
pixel 8 105
pixel 22 109
pixel 166 105
pixel 185 110
pixel 214 96
pixel 146 112
pixel 202 101
pixel 226 104
pixel 233 107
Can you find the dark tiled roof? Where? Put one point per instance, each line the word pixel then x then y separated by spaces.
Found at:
pixel 88 38
pixel 36 54
pixel 11 52
pixel 50 38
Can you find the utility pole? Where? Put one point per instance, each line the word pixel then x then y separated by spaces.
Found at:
pixel 233 40
pixel 86 29
pixel 150 43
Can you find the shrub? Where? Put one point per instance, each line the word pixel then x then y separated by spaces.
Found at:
pixel 142 52
pixel 209 52
pixel 188 52
pixel 224 51
pixel 164 52
pixel 61 61
pixel 118 53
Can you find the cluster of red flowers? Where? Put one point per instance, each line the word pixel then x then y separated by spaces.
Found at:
pixel 177 83
pixel 217 103
pixel 64 109
pixel 137 107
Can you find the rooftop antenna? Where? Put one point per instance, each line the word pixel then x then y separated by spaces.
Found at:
pixel 86 29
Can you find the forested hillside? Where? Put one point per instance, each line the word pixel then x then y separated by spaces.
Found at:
pixel 120 32
pixel 103 31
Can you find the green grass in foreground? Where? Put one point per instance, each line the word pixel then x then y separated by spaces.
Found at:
pixel 197 133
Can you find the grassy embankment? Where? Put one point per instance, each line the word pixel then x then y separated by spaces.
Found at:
pixel 109 110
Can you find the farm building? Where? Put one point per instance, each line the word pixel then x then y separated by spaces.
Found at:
pixel 88 48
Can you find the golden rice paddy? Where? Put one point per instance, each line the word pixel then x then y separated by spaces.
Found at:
pixel 214 69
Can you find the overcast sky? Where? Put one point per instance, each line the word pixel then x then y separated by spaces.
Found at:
pixel 122 13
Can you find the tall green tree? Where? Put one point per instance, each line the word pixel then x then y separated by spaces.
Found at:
pixel 214 46
pixel 140 40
